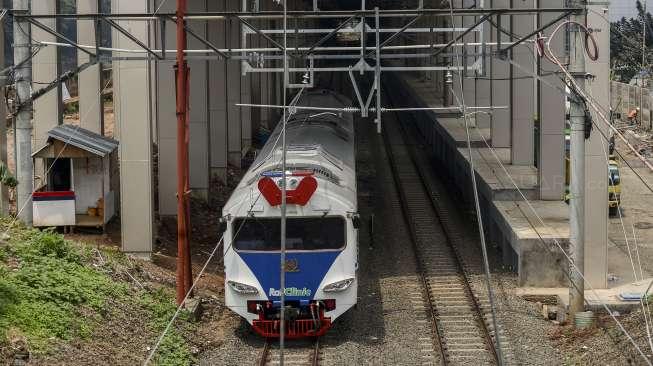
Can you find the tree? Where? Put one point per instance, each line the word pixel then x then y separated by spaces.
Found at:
pixel 626 44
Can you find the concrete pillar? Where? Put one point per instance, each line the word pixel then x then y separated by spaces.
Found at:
pixel 90 101
pixel 501 86
pixel 596 169
pixel 132 99
pixel 254 86
pixel 199 110
pixel 484 82
pixel 469 82
pixel 245 97
pixel 234 93
pixel 218 97
pixel 166 118
pixel 523 97
pixel 551 165
pixel 468 92
pixel 47 108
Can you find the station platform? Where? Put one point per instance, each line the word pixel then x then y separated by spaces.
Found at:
pixel 612 297
pixel 531 236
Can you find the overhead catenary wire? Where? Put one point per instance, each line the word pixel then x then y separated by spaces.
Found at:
pixel 212 254
pixel 587 98
pixel 558 244
pixel 541 221
pixel 479 217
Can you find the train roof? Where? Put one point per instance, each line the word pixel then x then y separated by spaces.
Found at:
pixel 321 142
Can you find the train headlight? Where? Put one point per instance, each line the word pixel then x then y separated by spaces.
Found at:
pixel 338 286
pixel 242 288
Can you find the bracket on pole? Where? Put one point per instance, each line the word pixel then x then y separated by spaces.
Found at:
pixel 127 34
pixel 60 36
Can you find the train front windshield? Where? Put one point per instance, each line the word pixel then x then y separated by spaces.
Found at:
pixel 302 233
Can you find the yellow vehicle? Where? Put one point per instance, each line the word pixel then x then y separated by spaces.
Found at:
pixel 614 185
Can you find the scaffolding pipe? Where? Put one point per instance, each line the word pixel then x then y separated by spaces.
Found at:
pixel 274 49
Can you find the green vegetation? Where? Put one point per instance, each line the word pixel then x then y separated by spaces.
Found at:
pixel 626 44
pixel 53 290
pixel 173 349
pixel 6 178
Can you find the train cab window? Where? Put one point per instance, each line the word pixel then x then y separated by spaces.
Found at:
pixel 305 233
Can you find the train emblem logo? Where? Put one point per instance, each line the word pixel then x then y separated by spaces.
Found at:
pixel 292 265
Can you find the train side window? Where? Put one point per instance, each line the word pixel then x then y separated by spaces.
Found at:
pixel 302 233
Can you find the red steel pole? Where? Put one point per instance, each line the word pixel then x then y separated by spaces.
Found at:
pixel 182 155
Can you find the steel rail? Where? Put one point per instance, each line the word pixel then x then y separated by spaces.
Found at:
pixel 315 358
pixel 263 357
pixel 438 337
pixel 441 215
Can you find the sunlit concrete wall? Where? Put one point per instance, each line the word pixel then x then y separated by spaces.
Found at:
pixel 47 108
pixel 501 86
pixel 523 96
pixel 90 99
pixel 551 113
pixel 133 93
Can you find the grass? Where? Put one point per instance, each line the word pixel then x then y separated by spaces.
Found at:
pixel 53 290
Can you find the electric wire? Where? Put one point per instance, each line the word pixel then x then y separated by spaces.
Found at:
pixel 212 254
pixel 560 246
pixel 479 217
pixel 576 89
pixel 282 256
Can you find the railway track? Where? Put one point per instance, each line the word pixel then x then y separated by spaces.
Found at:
pixel 462 333
pixel 295 353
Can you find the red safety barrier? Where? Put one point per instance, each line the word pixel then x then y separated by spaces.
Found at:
pixel 301 328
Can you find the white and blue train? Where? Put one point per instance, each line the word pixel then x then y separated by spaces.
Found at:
pixel 322 225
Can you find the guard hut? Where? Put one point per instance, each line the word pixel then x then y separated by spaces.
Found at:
pixel 76 188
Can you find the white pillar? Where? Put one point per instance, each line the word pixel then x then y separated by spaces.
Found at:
pixel 218 97
pixel 47 108
pixel 596 169
pixel 484 84
pixel 91 112
pixel 199 113
pixel 234 93
pixel 501 86
pixel 551 164
pixel 134 116
pixel 523 98
pixel 165 98
pixel 245 97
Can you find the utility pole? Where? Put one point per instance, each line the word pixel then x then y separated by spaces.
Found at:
pixel 577 114
pixel 642 84
pixel 184 271
pixel 23 120
pixel 4 192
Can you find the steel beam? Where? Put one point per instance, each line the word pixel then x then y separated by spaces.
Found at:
pixel 58 35
pixel 127 34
